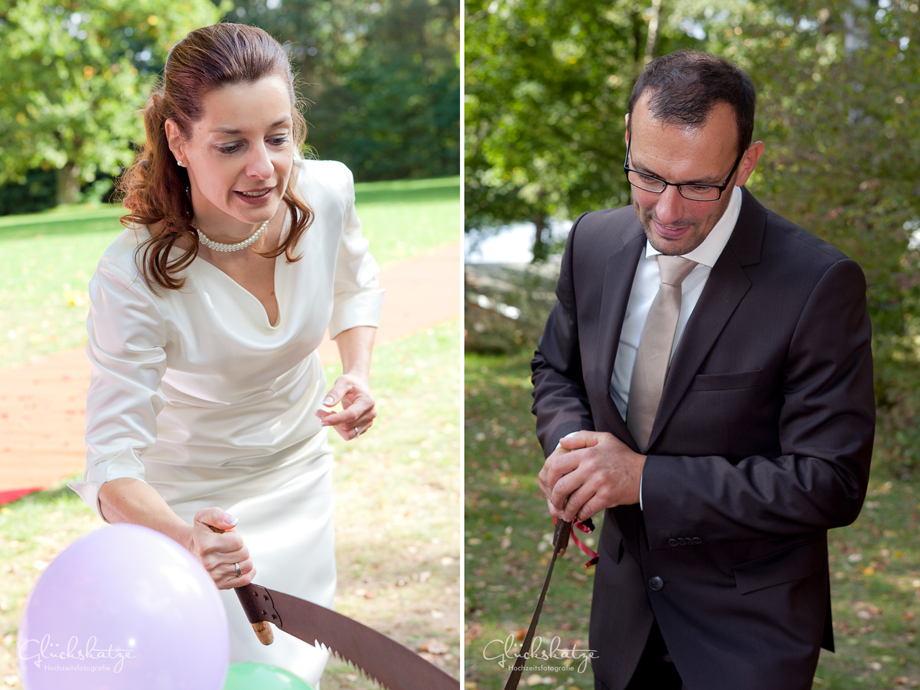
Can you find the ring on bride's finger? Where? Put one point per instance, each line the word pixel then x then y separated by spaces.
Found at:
pixel 357 433
pixel 239 573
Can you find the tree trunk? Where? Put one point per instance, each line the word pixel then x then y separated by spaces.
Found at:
pixel 68 184
pixel 651 43
pixel 540 248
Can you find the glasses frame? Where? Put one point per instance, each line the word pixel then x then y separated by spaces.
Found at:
pixel 721 188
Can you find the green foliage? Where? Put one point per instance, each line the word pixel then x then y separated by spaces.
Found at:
pixel 72 77
pixel 843 152
pixel 382 76
pixel 36 192
pixel 547 84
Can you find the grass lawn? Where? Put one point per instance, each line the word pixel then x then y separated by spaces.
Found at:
pixel 875 564
pixel 398 514
pixel 47 259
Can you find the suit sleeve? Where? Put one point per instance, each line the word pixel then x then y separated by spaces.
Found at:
pixel 826 429
pixel 560 399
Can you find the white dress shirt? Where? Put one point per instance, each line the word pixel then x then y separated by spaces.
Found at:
pixel 644 288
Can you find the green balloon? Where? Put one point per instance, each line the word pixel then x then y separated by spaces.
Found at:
pixel 249 675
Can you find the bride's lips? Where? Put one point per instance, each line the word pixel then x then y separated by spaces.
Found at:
pixel 255 197
pixel 670 233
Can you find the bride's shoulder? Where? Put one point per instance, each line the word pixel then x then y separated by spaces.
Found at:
pixel 323 178
pixel 121 256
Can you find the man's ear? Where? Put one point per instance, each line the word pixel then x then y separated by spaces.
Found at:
pixel 174 140
pixel 749 162
pixel 627 128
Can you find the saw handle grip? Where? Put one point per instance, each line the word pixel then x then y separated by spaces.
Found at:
pixel 262 628
pixel 561 536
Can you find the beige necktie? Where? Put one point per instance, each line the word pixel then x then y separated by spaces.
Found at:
pixel 654 353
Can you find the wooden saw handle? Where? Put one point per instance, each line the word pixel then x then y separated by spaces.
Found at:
pixel 262 629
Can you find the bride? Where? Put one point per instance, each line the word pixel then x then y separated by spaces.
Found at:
pixel 208 404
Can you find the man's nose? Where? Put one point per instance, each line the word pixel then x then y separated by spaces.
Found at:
pixel 670 206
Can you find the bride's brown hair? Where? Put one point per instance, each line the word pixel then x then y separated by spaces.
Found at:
pixel 154 188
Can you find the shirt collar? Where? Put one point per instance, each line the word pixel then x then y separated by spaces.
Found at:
pixel 711 248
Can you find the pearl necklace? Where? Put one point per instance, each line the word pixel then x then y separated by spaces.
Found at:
pixel 221 247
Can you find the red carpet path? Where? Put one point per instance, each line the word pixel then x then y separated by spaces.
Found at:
pixel 42 402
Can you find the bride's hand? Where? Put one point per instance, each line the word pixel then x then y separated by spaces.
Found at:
pixel 358 407
pixel 220 550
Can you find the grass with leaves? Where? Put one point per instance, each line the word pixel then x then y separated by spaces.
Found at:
pixel 875 563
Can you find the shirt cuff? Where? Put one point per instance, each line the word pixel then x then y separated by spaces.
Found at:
pixel 640 488
pixel 571 433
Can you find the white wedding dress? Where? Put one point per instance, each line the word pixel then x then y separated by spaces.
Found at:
pixel 194 392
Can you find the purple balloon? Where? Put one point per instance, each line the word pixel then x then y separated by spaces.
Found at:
pixel 124 608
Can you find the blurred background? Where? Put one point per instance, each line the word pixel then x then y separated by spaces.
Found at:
pixel 547 86
pixel 383 77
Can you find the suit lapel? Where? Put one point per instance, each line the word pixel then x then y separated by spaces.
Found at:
pixel 618 279
pixel 725 288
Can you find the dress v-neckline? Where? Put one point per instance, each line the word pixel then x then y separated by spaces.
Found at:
pixel 245 290
pixel 273 326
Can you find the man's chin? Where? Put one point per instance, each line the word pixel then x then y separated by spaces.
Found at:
pixel 671 246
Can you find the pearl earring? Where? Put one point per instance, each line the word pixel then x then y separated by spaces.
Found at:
pixel 180 164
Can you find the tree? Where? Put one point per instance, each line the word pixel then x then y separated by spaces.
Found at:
pixel 838 95
pixel 547 85
pixel 73 73
pixel 383 77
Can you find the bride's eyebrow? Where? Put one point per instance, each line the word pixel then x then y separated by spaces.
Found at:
pixel 231 130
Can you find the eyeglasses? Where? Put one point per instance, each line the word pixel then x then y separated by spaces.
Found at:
pixel 693 192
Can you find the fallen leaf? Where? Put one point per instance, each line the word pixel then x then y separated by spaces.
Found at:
pixel 474 632
pixel 434 647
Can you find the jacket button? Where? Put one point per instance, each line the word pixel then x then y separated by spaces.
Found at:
pixel 656 583
pixel 681 541
pixel 672 542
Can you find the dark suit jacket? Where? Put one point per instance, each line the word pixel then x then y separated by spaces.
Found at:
pixel 761 444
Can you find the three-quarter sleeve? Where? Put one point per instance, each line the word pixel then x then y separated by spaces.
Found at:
pixel 126 341
pixel 357 300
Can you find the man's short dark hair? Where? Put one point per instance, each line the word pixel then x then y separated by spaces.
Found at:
pixel 684 86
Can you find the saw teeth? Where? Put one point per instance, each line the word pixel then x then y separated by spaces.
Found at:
pixel 352 664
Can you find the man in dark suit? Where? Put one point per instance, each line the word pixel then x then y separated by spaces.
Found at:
pixel 719 406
